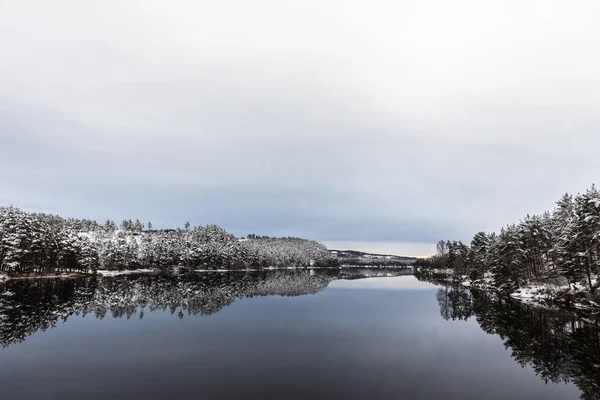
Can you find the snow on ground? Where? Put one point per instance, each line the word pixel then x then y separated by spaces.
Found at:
pixel 126 272
pixel 258 269
pixel 223 270
pixel 543 293
pixel 446 271
pixel 532 292
pixel 540 293
pixel 485 283
pixel 591 306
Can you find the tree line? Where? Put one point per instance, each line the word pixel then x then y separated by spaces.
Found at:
pixel 562 244
pixel 44 243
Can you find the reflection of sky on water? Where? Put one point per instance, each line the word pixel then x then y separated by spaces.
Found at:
pixel 363 342
pixel 400 283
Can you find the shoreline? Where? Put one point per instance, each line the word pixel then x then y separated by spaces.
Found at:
pixel 109 273
pixel 544 295
pixel 540 294
pixel 73 275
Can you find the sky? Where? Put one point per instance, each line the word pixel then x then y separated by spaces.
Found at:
pixel 379 126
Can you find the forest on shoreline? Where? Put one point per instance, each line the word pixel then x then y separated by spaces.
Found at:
pixel 39 243
pixel 559 249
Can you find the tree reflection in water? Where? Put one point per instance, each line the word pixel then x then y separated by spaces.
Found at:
pixel 559 345
pixel 27 306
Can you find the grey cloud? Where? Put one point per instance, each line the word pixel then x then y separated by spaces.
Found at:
pixel 401 121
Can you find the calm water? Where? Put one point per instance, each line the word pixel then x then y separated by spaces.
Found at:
pixel 283 335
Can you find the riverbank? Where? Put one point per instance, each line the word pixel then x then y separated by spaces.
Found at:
pixel 552 292
pixel 66 275
pixel 546 292
pixel 108 273
pixel 176 270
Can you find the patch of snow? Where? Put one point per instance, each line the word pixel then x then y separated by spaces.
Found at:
pixel 590 306
pixel 446 271
pixel 3 277
pixel 531 292
pixel 227 270
pixel 126 272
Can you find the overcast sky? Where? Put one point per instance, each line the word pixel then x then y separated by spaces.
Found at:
pixel 378 125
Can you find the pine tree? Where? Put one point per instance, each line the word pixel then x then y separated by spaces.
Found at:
pixel 508 268
pixel 587 233
pixel 480 250
pixel 564 251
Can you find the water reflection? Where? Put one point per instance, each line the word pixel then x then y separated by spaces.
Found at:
pixel 372 272
pixel 377 338
pixel 454 304
pixel 560 346
pixel 28 306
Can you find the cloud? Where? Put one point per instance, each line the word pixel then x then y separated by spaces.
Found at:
pixel 393 121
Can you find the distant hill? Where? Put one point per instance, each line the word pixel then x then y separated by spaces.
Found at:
pixel 354 257
pixel 355 253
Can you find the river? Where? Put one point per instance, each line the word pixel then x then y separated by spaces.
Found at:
pixel 286 335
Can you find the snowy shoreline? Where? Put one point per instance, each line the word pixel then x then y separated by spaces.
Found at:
pixel 543 294
pixel 109 273
pixel 264 269
pixel 73 275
